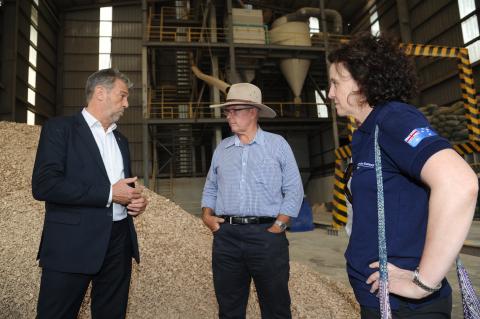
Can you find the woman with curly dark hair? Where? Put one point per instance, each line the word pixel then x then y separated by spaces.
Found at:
pixel 429 190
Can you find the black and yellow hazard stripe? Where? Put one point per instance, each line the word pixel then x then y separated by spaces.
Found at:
pixel 343 152
pixel 467 148
pixel 469 97
pixel 351 127
pixel 467 84
pixel 339 201
pixel 426 50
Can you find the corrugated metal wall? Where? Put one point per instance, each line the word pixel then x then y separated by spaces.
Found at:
pixel 434 22
pixel 81 59
pixel 13 101
pixel 8 17
pixel 388 16
pixel 23 40
pixel 45 103
pixel 127 57
pixel 437 22
pixel 80 56
pixel 431 22
pixel 16 43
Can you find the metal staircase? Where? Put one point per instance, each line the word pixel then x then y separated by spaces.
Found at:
pixel 184 88
pixel 183 148
pixel 174 143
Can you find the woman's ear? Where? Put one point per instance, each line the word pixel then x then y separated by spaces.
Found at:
pixel 363 100
pixel 360 97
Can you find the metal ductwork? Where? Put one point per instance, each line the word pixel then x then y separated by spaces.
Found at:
pixel 293 29
pixel 303 14
pixel 210 80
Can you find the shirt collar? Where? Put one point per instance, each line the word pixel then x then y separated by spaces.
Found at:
pixel 259 139
pixel 369 124
pixel 93 122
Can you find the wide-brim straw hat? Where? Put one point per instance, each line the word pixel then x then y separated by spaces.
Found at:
pixel 246 94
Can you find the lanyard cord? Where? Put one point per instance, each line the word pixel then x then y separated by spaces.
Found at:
pixel 385 310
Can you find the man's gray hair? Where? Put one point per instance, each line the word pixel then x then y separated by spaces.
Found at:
pixel 105 78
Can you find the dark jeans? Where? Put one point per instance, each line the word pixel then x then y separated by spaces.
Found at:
pixel 438 309
pixel 61 294
pixel 243 252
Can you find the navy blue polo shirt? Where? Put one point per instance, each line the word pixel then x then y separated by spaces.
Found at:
pixel 406 141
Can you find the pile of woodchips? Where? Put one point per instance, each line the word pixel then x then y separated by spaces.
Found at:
pixel 174 278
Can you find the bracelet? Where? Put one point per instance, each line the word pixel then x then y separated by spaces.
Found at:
pixel 416 281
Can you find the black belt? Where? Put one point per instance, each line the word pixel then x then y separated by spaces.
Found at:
pixel 243 220
pixel 121 221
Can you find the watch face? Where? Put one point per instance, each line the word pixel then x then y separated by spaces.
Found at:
pixel 282 225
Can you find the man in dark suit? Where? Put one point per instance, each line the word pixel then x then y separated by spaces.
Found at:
pixel 82 172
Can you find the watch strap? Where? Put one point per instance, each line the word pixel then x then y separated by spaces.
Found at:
pixel 419 283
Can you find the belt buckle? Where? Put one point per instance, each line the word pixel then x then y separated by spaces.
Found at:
pixel 245 220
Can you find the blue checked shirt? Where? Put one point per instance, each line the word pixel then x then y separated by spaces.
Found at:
pixel 256 179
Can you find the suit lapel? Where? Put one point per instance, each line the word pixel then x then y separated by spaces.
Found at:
pixel 122 144
pixel 89 141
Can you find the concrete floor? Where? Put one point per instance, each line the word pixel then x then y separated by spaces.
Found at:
pixel 324 253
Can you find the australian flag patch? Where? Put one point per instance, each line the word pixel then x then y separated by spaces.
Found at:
pixel 418 134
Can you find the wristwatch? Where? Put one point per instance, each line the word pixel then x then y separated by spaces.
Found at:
pixel 416 280
pixel 281 224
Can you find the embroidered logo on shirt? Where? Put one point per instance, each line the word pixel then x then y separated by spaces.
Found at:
pixel 418 134
pixel 365 165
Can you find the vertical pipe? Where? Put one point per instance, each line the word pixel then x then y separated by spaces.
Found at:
pixel 145 137
pixel 214 59
pixel 145 144
pixel 231 48
pixel 215 91
pixel 325 39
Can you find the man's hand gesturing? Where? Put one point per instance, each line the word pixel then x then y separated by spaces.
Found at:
pixel 137 206
pixel 124 194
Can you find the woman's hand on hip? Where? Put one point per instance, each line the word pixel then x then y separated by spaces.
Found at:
pixel 400 282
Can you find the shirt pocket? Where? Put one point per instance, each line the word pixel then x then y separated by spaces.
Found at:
pixel 269 174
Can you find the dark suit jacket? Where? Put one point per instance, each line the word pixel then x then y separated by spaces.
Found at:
pixel 69 175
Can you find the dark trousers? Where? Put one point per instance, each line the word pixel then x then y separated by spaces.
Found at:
pixel 243 252
pixel 61 294
pixel 438 309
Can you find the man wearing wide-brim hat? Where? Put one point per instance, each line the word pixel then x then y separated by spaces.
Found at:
pixel 252 189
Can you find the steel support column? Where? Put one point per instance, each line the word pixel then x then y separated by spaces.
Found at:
pixel 325 37
pixel 215 91
pixel 145 133
pixel 231 47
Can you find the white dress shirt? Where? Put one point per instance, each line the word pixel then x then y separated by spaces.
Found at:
pixel 112 158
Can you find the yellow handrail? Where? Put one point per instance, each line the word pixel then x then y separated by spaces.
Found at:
pixel 159 108
pixel 184 33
